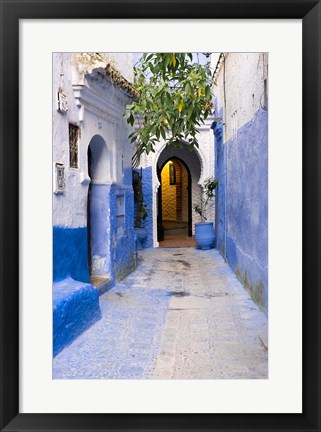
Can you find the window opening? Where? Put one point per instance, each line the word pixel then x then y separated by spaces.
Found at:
pixel 74 133
pixel 60 178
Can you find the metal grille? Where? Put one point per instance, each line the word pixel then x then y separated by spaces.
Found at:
pixel 73 145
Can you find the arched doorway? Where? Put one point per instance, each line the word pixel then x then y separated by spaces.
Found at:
pixel 175 204
pixel 199 168
pixel 98 212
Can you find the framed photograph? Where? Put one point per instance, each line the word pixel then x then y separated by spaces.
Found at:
pixel 32 176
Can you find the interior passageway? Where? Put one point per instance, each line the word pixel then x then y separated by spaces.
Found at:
pixel 175 205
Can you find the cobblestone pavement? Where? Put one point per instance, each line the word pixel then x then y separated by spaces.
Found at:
pixel 181 315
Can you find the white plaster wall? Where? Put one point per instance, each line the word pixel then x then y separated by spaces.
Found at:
pixel 98 108
pixel 244 88
pixel 123 63
pixel 124 152
pixel 63 204
pixel 84 62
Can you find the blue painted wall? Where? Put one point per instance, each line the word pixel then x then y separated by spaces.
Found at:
pixel 128 177
pixel 246 202
pixel 148 200
pixel 76 302
pixel 75 308
pixel 70 245
pixel 113 237
pixel 99 231
pixel 220 190
pixel 122 245
pixel 70 253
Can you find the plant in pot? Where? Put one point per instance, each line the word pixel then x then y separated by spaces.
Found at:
pixel 140 210
pixel 204 231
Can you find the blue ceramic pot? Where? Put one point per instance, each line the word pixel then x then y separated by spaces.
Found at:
pixel 204 235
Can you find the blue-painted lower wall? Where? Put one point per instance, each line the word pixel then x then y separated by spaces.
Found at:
pixel 70 253
pixel 147 187
pixel 75 301
pixel 242 204
pixel 99 203
pixel 112 230
pixel 75 308
pixel 122 245
pixel 113 237
pixel 220 190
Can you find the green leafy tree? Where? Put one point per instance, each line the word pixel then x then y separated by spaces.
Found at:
pixel 175 99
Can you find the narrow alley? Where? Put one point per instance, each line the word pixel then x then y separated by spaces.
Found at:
pixel 182 314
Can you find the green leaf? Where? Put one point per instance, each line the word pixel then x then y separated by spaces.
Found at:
pixel 208 92
pixel 188 88
pixel 131 119
pixel 148 57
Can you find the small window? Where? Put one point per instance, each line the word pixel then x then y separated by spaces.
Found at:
pixel 74 133
pixel 62 102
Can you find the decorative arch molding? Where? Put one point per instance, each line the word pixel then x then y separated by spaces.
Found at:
pixel 153 159
pixel 204 167
pixel 98 103
pixel 96 90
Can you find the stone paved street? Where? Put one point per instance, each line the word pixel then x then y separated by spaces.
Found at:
pixel 182 314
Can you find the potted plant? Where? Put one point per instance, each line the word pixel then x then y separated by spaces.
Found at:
pixel 140 210
pixel 204 231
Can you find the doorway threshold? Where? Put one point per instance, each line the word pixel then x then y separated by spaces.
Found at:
pixel 177 242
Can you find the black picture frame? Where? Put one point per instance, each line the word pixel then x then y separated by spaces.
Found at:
pixel 11 11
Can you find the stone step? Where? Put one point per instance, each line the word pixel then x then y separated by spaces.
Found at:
pixel 75 308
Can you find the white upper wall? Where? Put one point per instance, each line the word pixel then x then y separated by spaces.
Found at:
pixel 240 84
pixel 97 107
pixel 123 62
